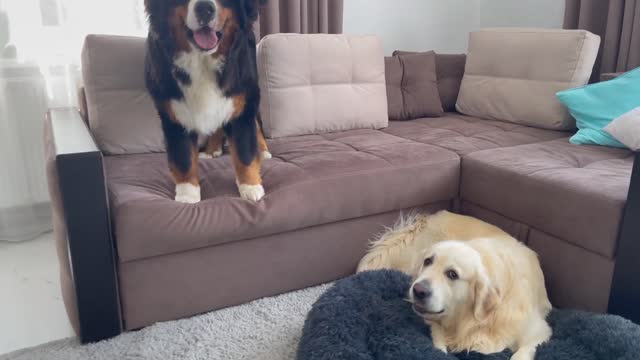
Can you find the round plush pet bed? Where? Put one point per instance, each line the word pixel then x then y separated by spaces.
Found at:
pixel 366 317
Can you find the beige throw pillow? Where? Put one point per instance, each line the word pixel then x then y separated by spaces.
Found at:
pixel 513 74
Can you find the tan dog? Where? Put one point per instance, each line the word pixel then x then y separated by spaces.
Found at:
pixel 477 287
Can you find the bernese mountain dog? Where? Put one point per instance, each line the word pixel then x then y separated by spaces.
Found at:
pixel 202 74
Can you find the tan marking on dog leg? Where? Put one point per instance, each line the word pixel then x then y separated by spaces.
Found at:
pixel 262 144
pixel 239 103
pixel 187 182
pixel 248 178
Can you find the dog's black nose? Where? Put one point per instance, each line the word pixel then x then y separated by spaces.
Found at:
pixel 421 290
pixel 204 11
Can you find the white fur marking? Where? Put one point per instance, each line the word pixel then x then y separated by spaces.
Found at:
pixel 266 155
pixel 203 155
pixel 187 193
pixel 192 19
pixel 217 153
pixel 204 109
pixel 251 192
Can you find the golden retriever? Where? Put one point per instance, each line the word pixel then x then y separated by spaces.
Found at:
pixel 477 287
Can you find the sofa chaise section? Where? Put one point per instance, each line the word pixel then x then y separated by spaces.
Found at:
pixel 571 201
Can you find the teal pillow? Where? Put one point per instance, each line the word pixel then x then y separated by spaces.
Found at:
pixel 595 106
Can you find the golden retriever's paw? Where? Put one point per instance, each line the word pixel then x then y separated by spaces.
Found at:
pixel 187 193
pixel 524 354
pixel 266 155
pixel 441 348
pixel 253 193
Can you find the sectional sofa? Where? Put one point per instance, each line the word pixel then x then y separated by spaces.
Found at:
pixel 131 256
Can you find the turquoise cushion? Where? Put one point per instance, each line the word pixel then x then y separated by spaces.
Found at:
pixel 595 106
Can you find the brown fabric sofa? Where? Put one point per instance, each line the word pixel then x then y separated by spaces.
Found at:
pixel 131 256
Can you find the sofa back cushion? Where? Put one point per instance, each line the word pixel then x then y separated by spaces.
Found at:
pixel 321 83
pixel 513 74
pixel 412 86
pixel 449 71
pixel 121 114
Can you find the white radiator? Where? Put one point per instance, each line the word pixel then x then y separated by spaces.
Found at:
pixel 25 95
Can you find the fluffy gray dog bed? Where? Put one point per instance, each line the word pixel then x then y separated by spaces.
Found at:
pixel 365 317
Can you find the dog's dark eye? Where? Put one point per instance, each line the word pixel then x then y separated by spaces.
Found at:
pixel 428 261
pixel 452 275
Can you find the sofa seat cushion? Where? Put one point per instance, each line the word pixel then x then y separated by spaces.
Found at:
pixel 571 192
pixel 466 134
pixel 312 180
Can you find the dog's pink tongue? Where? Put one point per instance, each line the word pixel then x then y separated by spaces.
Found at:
pixel 206 38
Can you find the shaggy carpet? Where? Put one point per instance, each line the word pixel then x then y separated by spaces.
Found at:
pixel 366 317
pixel 267 329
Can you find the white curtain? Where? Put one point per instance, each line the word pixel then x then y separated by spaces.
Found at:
pixel 40 44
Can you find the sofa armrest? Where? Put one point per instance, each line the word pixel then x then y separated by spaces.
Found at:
pixel 82 188
pixel 70 133
pixel 625 292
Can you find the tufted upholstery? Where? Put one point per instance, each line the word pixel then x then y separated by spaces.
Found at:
pixel 321 83
pixel 575 193
pixel 466 134
pixel 323 178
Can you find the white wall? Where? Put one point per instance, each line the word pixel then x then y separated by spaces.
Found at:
pixel 443 25
pixel 521 13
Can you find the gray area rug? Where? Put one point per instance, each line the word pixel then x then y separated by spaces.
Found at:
pixel 266 329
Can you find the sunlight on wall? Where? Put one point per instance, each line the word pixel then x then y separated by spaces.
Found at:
pixel 52 31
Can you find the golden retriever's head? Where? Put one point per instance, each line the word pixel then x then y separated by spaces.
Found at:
pixel 453 282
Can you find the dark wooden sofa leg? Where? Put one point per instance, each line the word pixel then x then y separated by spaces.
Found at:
pixel 91 247
pixel 624 299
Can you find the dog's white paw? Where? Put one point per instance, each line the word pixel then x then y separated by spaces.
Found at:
pixel 442 348
pixel 251 192
pixel 266 155
pixel 217 153
pixel 204 155
pixel 187 193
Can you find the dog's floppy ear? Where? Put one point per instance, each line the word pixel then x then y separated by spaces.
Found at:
pixel 486 296
pixel 252 8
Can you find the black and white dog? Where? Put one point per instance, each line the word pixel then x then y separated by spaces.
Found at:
pixel 202 75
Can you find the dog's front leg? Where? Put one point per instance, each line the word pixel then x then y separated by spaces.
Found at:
pixel 438 338
pixel 182 153
pixel 243 145
pixel 536 332
pixel 262 144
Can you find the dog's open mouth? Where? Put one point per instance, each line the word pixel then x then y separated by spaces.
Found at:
pixel 421 310
pixel 205 38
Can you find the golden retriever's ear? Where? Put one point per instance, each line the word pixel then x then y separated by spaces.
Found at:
pixel 486 299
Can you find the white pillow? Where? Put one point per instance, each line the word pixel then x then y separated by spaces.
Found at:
pixel 514 74
pixel 626 129
pixel 321 83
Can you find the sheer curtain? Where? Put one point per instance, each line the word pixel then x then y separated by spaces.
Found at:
pixel 40 43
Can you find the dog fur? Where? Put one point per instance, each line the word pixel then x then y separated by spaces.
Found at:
pixel 209 93
pixel 485 291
